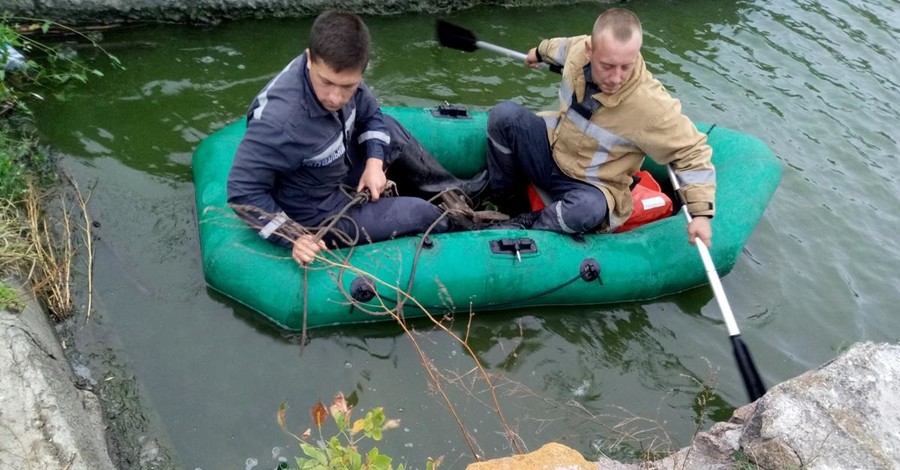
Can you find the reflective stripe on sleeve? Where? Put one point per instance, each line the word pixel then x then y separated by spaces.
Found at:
pixel 263 97
pixel 687 177
pixel 375 135
pixel 273 225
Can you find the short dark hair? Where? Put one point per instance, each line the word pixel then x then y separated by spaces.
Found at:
pixel 341 40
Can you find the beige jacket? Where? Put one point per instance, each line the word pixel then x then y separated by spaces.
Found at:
pixel 641 118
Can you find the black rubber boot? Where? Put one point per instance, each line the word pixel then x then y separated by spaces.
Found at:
pixel 418 173
pixel 524 220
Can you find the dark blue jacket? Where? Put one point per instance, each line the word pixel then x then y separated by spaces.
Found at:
pixel 295 153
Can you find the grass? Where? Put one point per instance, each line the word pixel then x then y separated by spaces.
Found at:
pixel 9 299
pixel 40 228
pixel 16 251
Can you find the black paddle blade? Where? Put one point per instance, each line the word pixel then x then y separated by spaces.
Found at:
pixel 456 37
pixel 752 381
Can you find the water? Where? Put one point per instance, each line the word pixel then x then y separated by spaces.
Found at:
pixel 816 81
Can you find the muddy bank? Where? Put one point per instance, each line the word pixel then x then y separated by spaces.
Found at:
pixel 209 11
pixel 57 413
pixel 46 421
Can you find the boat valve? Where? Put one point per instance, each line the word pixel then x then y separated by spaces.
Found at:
pixel 590 270
pixel 362 289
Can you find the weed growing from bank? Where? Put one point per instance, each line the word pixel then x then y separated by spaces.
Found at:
pixel 38 229
pixel 9 299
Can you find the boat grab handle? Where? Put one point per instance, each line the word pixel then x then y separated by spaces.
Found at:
pixel 514 246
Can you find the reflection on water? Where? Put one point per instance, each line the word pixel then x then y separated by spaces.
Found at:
pixel 815 81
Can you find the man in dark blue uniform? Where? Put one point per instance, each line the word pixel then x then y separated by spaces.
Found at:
pixel 316 126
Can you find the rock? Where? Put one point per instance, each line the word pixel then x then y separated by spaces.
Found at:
pixel 45 422
pixel 843 415
pixel 552 456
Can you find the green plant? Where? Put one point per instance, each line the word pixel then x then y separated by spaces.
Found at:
pixel 22 162
pixel 38 63
pixel 342 450
pixel 26 65
pixel 742 461
pixel 9 299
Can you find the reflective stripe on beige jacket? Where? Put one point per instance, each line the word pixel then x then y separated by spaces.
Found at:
pixel 641 118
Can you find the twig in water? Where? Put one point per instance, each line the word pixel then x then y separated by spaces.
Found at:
pixel 88 241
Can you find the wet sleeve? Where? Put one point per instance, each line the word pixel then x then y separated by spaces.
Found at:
pixel 373 132
pixel 259 160
pixel 673 139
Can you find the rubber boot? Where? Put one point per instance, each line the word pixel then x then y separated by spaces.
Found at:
pixel 524 220
pixel 418 173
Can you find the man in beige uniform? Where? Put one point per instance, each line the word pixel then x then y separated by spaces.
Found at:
pixel 612 112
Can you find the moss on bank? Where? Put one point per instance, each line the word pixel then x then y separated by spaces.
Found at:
pixel 211 11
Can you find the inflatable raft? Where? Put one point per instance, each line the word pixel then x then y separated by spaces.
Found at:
pixel 472 271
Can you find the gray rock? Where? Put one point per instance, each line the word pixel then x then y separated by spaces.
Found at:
pixel 843 415
pixel 45 422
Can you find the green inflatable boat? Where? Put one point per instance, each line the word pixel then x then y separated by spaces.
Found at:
pixel 472 271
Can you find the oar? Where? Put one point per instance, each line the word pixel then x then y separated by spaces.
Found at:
pixel 752 381
pixel 457 37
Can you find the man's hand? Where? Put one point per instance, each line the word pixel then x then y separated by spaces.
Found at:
pixel 305 249
pixel 700 228
pixel 531 59
pixel 373 178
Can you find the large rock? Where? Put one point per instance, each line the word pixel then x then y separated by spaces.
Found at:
pixel 846 414
pixel 45 422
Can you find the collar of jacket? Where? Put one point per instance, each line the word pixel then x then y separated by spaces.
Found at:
pixel 613 100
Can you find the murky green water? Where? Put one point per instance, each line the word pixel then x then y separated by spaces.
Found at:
pixel 815 81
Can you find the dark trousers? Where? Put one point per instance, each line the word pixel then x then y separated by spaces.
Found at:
pixel 388 217
pixel 519 153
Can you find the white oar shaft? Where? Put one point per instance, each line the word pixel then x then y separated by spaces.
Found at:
pixel 710 268
pixel 500 49
pixel 716 285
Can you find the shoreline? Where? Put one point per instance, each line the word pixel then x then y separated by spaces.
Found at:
pixel 51 422
pixel 76 12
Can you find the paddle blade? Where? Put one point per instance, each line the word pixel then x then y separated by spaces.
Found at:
pixel 456 37
pixel 752 381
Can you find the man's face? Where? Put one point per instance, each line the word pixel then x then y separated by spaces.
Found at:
pixel 612 61
pixel 333 89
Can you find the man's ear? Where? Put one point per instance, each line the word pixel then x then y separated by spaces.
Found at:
pixel 587 48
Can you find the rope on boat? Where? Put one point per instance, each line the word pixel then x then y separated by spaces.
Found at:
pixel 292 230
pixel 364 197
pixel 402 296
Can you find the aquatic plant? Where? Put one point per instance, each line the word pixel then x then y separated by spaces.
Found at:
pixel 343 450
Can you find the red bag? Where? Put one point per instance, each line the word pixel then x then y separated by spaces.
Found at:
pixel 534 199
pixel 650 203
